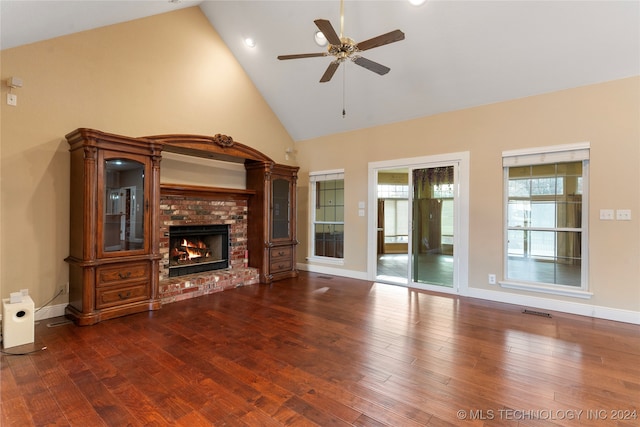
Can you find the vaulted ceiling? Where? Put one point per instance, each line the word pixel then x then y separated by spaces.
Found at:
pixel 456 54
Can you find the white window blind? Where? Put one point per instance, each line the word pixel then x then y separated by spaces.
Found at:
pixel 543 155
pixel 326 176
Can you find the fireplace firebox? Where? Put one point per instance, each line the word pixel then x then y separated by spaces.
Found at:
pixel 198 248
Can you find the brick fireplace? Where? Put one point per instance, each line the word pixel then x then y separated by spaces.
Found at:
pixel 198 248
pixel 181 206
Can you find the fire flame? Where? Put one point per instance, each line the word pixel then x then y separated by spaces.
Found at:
pixel 192 248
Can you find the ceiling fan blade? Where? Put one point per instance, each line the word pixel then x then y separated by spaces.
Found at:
pixel 393 36
pixel 331 70
pixel 371 66
pixel 302 55
pixel 328 31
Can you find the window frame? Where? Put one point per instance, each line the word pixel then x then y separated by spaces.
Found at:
pixel 548 156
pixel 314 177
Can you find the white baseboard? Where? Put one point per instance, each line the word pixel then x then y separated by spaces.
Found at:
pixel 570 307
pixel 362 275
pixel 50 311
pixel 590 310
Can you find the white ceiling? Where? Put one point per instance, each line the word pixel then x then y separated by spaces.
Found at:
pixel 456 54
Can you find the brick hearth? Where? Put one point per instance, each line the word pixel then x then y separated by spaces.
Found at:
pixel 188 205
pixel 196 285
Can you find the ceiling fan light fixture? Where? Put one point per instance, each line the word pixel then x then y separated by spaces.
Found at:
pixel 320 39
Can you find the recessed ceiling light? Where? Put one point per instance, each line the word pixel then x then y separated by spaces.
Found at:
pixel 417 2
pixel 250 42
pixel 320 39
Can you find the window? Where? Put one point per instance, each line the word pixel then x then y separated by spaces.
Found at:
pixel 546 217
pixel 393 191
pixel 396 221
pixel 395 198
pixel 327 223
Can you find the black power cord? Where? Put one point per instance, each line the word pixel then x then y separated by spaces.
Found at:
pixel 50 301
pixel 26 353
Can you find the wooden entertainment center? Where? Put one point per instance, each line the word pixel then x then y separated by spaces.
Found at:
pixel 115 186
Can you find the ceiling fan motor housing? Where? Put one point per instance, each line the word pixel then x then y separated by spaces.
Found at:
pixel 344 50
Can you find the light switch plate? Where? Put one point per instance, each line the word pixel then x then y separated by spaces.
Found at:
pixel 606 214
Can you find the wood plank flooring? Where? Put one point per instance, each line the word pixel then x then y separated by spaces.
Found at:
pixel 327 351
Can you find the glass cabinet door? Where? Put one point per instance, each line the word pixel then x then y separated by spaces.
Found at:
pixel 281 214
pixel 123 212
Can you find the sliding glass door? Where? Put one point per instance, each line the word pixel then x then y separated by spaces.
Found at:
pixel 419 222
pixel 393 225
pixel 433 235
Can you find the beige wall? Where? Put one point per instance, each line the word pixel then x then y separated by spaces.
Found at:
pixel 607 115
pixel 172 74
pixel 169 73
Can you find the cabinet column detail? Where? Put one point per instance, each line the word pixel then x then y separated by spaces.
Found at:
pixel 113 245
pixel 272 220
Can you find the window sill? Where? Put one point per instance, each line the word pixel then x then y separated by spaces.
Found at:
pixel 326 260
pixel 548 289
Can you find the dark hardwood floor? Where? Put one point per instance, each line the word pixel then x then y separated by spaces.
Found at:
pixel 322 350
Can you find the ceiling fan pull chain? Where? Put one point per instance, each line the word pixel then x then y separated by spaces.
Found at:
pixel 344 86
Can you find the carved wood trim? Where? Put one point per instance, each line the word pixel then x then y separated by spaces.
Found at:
pixel 218 147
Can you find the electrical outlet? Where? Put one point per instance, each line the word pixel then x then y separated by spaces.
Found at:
pixel 492 279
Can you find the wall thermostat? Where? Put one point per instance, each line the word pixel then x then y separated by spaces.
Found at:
pixel 14 82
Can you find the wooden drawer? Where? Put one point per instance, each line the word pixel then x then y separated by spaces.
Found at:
pixel 283 264
pixel 281 259
pixel 280 252
pixel 118 273
pixel 117 295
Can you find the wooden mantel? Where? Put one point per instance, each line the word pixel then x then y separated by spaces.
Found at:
pixel 219 193
pixel 217 147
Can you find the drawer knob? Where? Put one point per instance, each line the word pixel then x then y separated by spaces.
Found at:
pixel 124 295
pixel 124 275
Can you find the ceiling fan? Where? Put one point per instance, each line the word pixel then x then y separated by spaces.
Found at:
pixel 343 48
